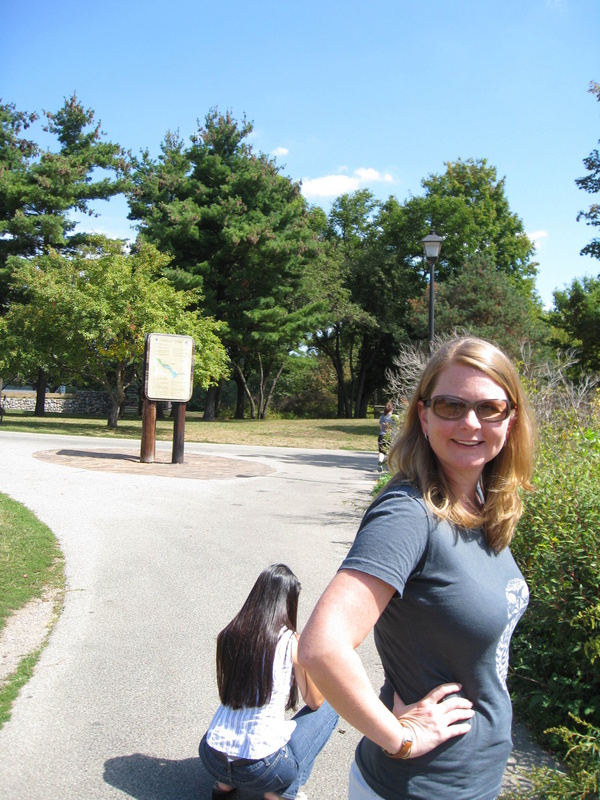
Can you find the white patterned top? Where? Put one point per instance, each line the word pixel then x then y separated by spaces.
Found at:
pixel 257 732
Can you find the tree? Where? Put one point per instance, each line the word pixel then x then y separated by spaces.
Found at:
pixel 345 235
pixel 380 266
pixel 40 189
pixel 467 205
pixel 577 314
pixel 239 229
pixel 483 301
pixel 16 156
pixel 90 311
pixel 591 183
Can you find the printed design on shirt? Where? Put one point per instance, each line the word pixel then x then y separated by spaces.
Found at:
pixel 517 597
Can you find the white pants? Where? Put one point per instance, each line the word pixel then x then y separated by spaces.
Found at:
pixel 358 789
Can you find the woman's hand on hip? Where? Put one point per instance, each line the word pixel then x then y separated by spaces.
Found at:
pixel 439 716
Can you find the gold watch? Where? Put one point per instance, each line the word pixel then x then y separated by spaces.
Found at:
pixel 406 746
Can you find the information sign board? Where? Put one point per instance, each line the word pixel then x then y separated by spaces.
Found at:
pixel 169 367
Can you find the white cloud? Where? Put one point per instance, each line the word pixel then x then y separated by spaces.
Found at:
pixel 335 185
pixel 329 186
pixel 280 151
pixel 537 237
pixel 368 174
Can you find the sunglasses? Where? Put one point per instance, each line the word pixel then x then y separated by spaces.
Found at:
pixel 446 407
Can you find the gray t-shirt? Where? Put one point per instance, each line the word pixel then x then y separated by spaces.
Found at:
pixel 456 605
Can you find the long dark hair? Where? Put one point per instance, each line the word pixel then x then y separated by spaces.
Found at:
pixel 246 647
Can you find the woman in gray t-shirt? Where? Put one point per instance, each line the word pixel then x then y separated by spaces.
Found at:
pixel 431 571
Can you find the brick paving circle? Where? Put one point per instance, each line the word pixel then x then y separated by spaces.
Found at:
pixel 195 466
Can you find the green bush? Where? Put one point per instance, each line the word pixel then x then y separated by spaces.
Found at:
pixel 557 546
pixel 582 780
pixel 555 652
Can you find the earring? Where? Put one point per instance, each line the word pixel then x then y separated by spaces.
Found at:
pixel 425 435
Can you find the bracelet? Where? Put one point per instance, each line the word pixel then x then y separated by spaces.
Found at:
pixel 405 747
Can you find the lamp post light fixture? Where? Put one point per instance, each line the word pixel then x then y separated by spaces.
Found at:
pixel 432 244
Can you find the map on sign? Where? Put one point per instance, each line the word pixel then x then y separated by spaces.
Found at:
pixel 169 367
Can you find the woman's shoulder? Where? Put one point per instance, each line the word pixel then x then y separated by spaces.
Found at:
pixel 399 489
pixel 399 499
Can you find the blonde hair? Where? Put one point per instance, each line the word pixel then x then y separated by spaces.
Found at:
pixel 412 458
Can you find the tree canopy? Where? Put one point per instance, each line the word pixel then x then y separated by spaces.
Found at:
pixel 243 246
pixel 591 183
pixel 39 189
pixel 90 311
pixel 239 229
pixel 467 205
pixel 376 268
pixel 577 314
pixel 484 301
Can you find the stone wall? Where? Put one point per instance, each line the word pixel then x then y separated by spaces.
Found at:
pixel 85 402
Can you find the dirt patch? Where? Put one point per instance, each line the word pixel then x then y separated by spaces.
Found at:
pixel 195 466
pixel 26 630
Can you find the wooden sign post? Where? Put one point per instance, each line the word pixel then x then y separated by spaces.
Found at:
pixel 168 377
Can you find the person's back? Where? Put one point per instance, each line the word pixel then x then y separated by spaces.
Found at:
pixel 256 731
pixel 250 744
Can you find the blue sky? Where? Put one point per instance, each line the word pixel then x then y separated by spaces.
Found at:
pixel 346 94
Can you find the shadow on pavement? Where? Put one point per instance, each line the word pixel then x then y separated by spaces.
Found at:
pixel 364 462
pixel 148 778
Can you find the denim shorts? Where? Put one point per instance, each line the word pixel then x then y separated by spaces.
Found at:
pixel 274 773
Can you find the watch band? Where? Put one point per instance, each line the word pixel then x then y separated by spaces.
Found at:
pixel 405 748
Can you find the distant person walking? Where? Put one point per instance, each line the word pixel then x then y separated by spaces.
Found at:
pixel 383 440
pixel 250 744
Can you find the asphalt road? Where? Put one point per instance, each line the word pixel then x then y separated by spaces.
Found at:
pixel 156 566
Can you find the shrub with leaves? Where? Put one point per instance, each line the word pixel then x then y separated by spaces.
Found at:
pixel 555 652
pixel 580 782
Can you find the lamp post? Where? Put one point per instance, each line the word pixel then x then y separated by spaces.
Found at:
pixel 432 244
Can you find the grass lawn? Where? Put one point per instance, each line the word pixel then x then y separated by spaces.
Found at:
pixel 30 561
pixel 320 434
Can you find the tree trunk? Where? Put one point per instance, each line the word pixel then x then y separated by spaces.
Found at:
pixel 209 404
pixel 218 398
pixel 242 378
pixel 270 392
pixel 116 394
pixel 113 413
pixel 360 406
pixel 40 394
pixel 361 412
pixel 241 397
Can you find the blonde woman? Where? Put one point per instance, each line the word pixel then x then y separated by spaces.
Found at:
pixel 431 571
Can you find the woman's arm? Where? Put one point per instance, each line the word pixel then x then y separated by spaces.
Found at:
pixel 310 694
pixel 345 614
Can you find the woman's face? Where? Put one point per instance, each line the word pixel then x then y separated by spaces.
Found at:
pixel 464 446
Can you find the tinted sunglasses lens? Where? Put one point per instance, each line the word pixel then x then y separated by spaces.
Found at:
pixel 493 410
pixel 449 407
pixel 453 408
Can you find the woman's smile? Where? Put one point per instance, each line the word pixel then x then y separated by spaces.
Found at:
pixel 464 446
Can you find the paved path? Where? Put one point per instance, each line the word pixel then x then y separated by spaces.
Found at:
pixel 158 559
pixel 156 566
